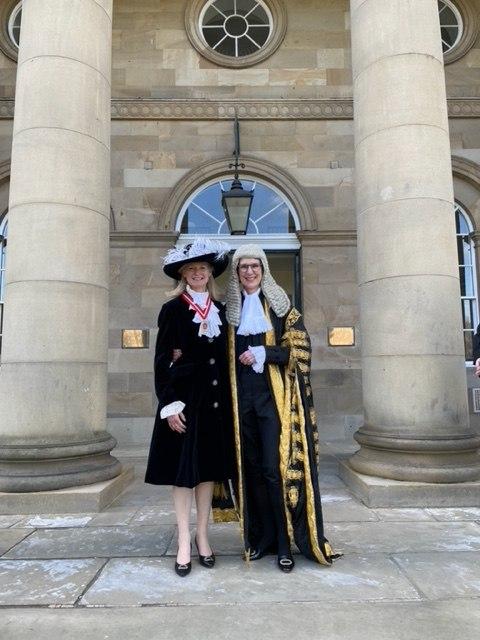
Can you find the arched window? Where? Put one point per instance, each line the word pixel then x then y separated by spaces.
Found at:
pixel 273 222
pixel 468 280
pixel 271 212
pixel 3 250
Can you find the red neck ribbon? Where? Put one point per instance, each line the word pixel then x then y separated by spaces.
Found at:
pixel 203 313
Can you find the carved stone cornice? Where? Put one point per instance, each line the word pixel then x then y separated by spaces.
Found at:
pixel 266 109
pixel 463 107
pixel 186 109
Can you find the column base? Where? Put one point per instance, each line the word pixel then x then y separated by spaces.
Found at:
pixel 446 459
pixel 383 493
pixel 91 498
pixel 34 466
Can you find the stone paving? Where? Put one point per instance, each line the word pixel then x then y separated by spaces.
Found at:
pixel 406 574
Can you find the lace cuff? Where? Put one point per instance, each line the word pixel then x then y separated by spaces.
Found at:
pixel 172 409
pixel 260 355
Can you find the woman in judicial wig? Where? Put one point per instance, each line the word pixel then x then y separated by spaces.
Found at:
pixel 192 442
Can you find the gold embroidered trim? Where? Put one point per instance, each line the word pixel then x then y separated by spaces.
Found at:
pixel 224 515
pixel 310 503
pixel 236 423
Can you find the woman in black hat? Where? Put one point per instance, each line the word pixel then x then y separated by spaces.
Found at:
pixel 192 442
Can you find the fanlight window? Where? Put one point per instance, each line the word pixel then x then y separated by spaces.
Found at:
pixel 203 213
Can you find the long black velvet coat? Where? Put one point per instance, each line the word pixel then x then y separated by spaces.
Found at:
pixel 205 452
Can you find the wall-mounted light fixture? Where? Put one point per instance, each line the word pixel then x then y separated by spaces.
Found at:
pixel 135 338
pixel 341 336
pixel 237 202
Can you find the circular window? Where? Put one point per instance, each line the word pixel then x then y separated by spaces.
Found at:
pixel 10 23
pixel 203 213
pixel 236 28
pixel 236 33
pixel 458 27
pixel 451 25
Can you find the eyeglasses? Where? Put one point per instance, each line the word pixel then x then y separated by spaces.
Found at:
pixel 245 267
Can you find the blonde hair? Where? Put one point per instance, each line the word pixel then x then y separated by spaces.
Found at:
pixel 182 285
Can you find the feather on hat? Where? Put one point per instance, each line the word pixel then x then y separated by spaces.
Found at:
pixel 214 252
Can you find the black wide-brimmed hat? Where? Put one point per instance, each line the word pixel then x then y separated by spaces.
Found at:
pixel 214 252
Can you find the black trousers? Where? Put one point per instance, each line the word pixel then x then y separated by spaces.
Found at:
pixel 260 428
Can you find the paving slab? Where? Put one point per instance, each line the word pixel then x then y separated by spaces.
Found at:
pixel 158 515
pixel 113 517
pixel 443 576
pixel 91 542
pixel 9 521
pixel 341 506
pixel 224 538
pixel 55 521
pixel 352 621
pixel 401 515
pixel 10 537
pixel 397 537
pixel 127 582
pixel 45 582
pixel 459 514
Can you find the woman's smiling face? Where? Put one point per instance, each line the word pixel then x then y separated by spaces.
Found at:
pixel 196 275
pixel 250 274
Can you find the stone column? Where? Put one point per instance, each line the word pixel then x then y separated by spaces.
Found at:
pixel 54 357
pixel 416 413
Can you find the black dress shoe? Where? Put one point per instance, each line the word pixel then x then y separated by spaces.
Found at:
pixel 205 561
pixel 183 570
pixel 256 554
pixel 285 563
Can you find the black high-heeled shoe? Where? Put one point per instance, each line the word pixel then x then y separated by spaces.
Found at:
pixel 183 570
pixel 205 561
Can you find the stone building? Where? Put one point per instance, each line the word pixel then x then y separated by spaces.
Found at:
pixel 120 147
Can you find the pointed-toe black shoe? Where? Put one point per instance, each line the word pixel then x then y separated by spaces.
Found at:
pixel 183 570
pixel 205 561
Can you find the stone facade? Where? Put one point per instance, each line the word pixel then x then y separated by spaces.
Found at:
pixel 152 58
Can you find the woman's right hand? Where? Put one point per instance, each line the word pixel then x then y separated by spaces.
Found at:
pixel 177 423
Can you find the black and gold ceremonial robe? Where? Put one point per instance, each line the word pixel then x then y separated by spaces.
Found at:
pixel 298 445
